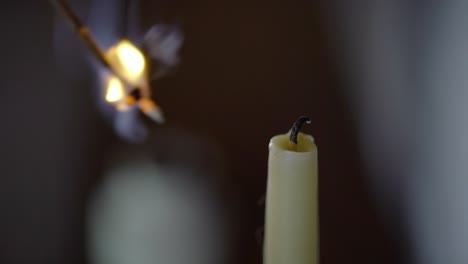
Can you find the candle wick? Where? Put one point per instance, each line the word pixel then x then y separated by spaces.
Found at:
pixel 296 128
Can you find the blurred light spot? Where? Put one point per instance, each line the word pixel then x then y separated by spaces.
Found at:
pixel 128 62
pixel 115 91
pixel 131 58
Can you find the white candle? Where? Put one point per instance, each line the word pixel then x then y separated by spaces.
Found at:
pixel 291 219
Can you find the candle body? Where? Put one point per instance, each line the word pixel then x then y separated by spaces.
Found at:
pixel 291 218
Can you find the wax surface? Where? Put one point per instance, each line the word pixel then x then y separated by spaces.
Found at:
pixel 291 220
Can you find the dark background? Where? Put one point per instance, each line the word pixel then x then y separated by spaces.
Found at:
pixel 249 70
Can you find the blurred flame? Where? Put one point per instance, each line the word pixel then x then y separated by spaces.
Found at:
pixel 129 64
pixel 115 90
pixel 131 57
pixel 128 61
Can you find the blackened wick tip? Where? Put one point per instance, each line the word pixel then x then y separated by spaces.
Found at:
pixel 296 128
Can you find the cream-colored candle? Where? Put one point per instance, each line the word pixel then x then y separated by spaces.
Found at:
pixel 291 219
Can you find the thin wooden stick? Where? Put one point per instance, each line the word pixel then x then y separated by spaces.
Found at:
pixel 82 31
